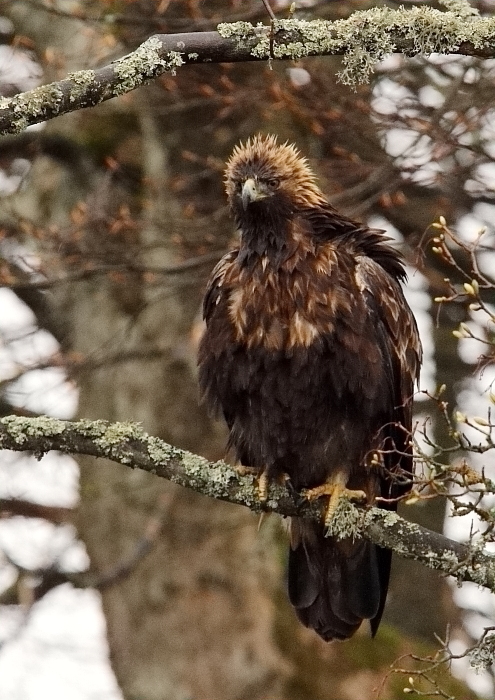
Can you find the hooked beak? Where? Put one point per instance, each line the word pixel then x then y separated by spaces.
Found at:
pixel 250 193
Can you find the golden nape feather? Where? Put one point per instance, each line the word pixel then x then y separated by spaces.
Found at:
pixel 311 354
pixel 272 160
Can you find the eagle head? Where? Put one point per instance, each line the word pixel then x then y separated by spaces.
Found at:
pixel 263 177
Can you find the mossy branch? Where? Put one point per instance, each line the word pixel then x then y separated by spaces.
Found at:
pixel 362 39
pixel 128 444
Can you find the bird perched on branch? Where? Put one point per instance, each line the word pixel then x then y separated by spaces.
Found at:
pixel 311 353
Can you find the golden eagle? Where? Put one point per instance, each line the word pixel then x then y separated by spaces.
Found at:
pixel 311 353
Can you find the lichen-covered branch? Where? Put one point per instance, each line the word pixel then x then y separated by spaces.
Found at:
pixel 128 444
pixel 362 39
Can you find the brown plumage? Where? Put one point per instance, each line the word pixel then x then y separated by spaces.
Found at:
pixel 311 353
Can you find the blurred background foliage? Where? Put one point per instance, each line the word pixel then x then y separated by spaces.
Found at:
pixel 111 219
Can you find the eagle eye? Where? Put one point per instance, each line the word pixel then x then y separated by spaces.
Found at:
pixel 273 183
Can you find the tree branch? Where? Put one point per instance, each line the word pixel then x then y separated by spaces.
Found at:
pixel 129 445
pixel 16 506
pixel 53 576
pixel 363 39
pixel 22 284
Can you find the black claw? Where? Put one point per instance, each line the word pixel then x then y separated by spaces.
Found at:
pixel 298 497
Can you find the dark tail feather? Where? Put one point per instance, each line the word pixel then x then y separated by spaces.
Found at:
pixel 336 584
pixel 384 557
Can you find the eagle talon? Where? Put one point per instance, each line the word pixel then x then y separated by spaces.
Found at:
pixel 336 491
pixel 299 498
pixel 263 482
pixel 244 471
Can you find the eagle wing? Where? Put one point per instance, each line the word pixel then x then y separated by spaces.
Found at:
pixel 334 584
pixel 215 283
pixel 213 376
pixel 385 298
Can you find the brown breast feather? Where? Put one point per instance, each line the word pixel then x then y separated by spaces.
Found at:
pixel 292 305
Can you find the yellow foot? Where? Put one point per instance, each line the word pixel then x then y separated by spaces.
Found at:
pixel 242 470
pixel 263 480
pixel 336 490
pixel 263 487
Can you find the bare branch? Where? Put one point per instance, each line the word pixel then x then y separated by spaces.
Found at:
pixel 44 579
pixel 15 506
pixel 190 265
pixel 129 445
pixel 363 39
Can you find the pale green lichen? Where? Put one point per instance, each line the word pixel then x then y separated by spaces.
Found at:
pixel 368 36
pixel 82 77
pixel 240 30
pixel 481 571
pixel 194 467
pixel 81 80
pixel 91 428
pixel 390 519
pixel 116 433
pixel 160 452
pixel 20 429
pixel 145 63
pixel 346 522
pixel 28 104
pixel 217 478
pixel 483 655
pixel 193 56
pixel 461 8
